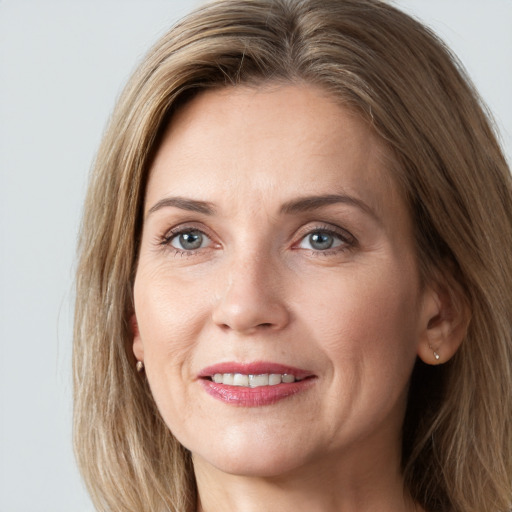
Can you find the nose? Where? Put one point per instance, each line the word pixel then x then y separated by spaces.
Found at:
pixel 251 298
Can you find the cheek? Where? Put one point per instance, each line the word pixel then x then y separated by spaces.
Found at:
pixel 170 319
pixel 371 343
pixel 376 302
pixel 367 324
pixel 168 310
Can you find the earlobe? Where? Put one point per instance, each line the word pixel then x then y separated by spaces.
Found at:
pixel 445 319
pixel 137 346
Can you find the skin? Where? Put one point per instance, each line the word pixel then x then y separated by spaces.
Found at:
pixel 258 288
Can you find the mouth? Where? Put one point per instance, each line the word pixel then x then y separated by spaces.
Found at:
pixel 253 381
pixel 254 384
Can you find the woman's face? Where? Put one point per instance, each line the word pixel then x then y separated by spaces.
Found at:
pixel 277 296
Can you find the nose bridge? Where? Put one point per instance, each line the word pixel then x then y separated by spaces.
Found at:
pixel 251 296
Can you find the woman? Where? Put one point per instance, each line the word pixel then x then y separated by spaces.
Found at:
pixel 294 284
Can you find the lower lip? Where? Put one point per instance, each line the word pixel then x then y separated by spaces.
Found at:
pixel 254 397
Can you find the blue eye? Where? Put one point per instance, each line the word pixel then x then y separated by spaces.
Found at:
pixel 189 240
pixel 321 240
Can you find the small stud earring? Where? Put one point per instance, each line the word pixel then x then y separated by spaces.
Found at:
pixel 436 355
pixel 139 366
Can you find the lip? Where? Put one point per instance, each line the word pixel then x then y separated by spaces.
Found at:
pixel 255 368
pixel 259 396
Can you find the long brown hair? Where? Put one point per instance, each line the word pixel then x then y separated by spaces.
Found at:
pixel 397 75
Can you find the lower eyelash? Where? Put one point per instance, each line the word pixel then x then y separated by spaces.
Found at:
pixel 165 241
pixel 165 245
pixel 331 252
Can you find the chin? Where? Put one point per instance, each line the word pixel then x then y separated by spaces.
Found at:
pixel 262 467
pixel 252 458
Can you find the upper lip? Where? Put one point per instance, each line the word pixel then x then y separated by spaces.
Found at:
pixel 254 368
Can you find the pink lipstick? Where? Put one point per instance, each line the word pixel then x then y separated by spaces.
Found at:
pixel 254 384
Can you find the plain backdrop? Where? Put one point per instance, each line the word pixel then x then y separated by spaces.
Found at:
pixel 62 65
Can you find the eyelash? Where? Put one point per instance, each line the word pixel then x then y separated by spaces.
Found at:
pixel 348 241
pixel 166 240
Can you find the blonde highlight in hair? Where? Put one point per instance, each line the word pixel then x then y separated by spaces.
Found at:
pixel 397 75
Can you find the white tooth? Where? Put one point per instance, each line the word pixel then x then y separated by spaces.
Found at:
pixel 258 380
pixel 228 378
pixel 274 378
pixel 240 380
pixel 253 381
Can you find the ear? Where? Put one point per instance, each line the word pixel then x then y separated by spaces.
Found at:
pixel 137 346
pixel 444 322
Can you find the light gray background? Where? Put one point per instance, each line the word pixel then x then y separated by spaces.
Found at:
pixel 62 65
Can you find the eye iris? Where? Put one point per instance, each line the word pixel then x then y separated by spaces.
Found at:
pixel 191 240
pixel 321 240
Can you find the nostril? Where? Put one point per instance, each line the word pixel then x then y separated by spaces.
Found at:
pixel 248 312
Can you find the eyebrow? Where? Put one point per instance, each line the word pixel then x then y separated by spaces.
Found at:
pixel 183 203
pixel 301 205
pixel 309 203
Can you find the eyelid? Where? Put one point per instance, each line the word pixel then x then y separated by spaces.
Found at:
pixel 328 228
pixel 172 233
pixel 186 227
pixel 348 240
pixel 177 239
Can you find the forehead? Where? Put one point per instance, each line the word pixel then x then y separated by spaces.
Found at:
pixel 266 144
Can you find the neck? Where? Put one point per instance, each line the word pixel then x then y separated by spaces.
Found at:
pixel 339 483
